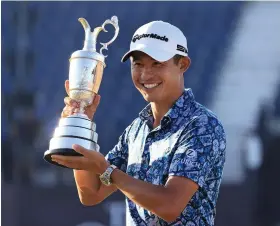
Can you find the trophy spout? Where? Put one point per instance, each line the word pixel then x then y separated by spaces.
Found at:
pixel 90 37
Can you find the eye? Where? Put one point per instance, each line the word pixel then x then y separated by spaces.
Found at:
pixel 137 64
pixel 156 63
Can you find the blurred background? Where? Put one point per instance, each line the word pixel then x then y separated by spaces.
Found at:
pixel 235 71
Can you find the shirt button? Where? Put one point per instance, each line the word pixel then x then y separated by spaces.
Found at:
pixel 149 139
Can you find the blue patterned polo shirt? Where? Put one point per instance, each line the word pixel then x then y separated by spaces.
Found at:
pixel 189 142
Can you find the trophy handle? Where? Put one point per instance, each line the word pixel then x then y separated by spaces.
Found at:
pixel 114 22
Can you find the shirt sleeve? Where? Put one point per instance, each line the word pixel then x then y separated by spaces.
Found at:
pixel 118 156
pixel 200 147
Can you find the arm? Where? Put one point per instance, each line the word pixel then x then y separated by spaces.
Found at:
pixel 166 201
pixel 88 167
pixel 90 190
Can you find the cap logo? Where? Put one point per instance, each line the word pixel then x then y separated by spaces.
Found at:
pixel 182 49
pixel 155 36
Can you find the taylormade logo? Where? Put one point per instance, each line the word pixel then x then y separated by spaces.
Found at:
pixel 155 36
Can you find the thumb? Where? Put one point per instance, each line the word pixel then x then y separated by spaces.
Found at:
pixel 83 151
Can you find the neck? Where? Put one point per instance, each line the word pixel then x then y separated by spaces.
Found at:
pixel 159 109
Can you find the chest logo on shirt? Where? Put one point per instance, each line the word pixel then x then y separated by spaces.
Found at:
pixel 191 153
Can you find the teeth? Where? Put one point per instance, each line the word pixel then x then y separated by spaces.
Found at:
pixel 149 86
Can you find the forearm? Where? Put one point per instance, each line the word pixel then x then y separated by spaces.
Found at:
pixel 157 199
pixel 90 189
pixel 88 185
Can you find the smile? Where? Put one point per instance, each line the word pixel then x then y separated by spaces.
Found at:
pixel 150 86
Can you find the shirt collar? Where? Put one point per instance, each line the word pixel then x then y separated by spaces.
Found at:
pixel 180 107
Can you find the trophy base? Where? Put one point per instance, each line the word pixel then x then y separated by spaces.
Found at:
pixel 73 129
pixel 61 151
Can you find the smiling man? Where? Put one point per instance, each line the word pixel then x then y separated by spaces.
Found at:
pixel 169 160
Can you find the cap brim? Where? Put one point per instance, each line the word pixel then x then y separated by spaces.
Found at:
pixel 157 54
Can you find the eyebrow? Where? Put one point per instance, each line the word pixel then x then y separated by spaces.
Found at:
pixel 139 56
pixel 134 58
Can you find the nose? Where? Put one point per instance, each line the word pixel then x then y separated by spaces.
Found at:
pixel 146 74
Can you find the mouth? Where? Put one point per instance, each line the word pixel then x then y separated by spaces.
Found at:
pixel 151 85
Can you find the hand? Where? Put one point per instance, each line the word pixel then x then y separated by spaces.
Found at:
pixel 71 106
pixel 90 161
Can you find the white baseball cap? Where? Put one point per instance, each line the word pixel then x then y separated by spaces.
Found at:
pixel 160 40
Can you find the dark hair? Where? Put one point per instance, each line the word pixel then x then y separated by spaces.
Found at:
pixel 177 58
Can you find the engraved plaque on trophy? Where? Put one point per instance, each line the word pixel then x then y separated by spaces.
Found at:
pixel 85 75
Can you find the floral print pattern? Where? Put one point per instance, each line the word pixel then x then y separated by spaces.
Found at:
pixel 189 142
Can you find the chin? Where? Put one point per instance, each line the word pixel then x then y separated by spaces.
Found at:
pixel 146 97
pixel 150 98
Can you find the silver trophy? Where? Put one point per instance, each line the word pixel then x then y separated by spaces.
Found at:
pixel 85 75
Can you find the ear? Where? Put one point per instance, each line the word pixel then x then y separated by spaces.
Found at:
pixel 184 63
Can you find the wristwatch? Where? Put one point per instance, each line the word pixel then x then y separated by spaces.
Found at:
pixel 105 177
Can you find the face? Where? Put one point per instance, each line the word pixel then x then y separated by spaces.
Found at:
pixel 157 81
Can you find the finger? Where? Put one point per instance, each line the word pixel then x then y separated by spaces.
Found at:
pixel 66 84
pixel 70 102
pixel 67 111
pixel 83 151
pixel 69 108
pixel 68 158
pixel 96 100
pixel 92 108
pixel 62 162
pixel 75 162
pixel 67 164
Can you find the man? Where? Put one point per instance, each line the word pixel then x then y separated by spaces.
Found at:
pixel 169 161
